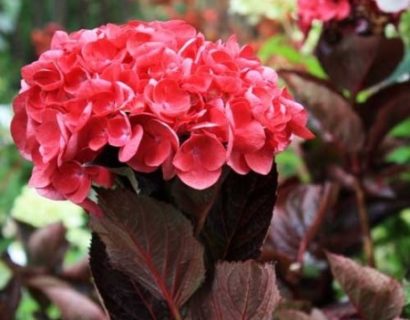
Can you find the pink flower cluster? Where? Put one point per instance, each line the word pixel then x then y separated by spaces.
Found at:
pixel 160 94
pixel 336 10
pixel 322 10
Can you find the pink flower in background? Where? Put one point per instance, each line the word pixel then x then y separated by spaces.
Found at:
pixel 322 10
pixel 337 10
pixel 158 94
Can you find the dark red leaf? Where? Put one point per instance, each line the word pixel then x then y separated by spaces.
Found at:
pixel 319 156
pixel 332 114
pixel 341 311
pixel 240 290
pixel 78 271
pixel 355 62
pixel 298 315
pixel 341 232
pixel 388 108
pixel 24 232
pixel 297 217
pixel 195 203
pixel 237 223
pixel 375 295
pixel 122 297
pixel 72 304
pixel 151 242
pixel 47 246
pixel 9 299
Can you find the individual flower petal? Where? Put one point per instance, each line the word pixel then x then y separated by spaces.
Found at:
pixel 72 181
pixel 169 99
pixel 158 143
pixel 199 178
pixel 260 161
pixel 130 148
pixel 118 130
pixel 200 157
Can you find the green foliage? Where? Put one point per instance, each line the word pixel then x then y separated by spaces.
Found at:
pixel 406 311
pixel 14 171
pixel 400 155
pixel 279 46
pixel 288 163
pixel 393 244
pixel 27 307
pixel 404 27
pixel 402 130
pixel 5 275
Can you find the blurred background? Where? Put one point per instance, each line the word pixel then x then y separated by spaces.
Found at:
pixel 53 235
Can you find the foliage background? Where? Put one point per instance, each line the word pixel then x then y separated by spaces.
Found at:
pixel 25 28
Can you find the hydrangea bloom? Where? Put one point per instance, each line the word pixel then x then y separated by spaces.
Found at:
pixel 161 95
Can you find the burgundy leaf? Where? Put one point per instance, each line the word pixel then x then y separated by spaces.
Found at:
pixel 195 203
pixel 341 311
pixel 291 314
pixel 355 62
pixel 298 315
pixel 152 243
pixel 332 114
pixel 24 232
pixel 9 299
pixel 78 271
pixel 47 246
pixel 240 290
pixel 297 217
pixel 319 156
pixel 122 297
pixel 341 232
pixel 389 107
pixel 72 304
pixel 237 223
pixel 375 295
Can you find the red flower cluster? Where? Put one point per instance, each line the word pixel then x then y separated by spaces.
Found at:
pixel 160 94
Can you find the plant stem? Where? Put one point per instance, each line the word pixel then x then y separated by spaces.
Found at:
pixel 364 223
pixel 175 313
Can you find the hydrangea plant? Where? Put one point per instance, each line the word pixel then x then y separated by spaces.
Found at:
pixel 198 124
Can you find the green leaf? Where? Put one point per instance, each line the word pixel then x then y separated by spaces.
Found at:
pixel 406 312
pixel 5 275
pixel 400 155
pixel 402 129
pixel 278 46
